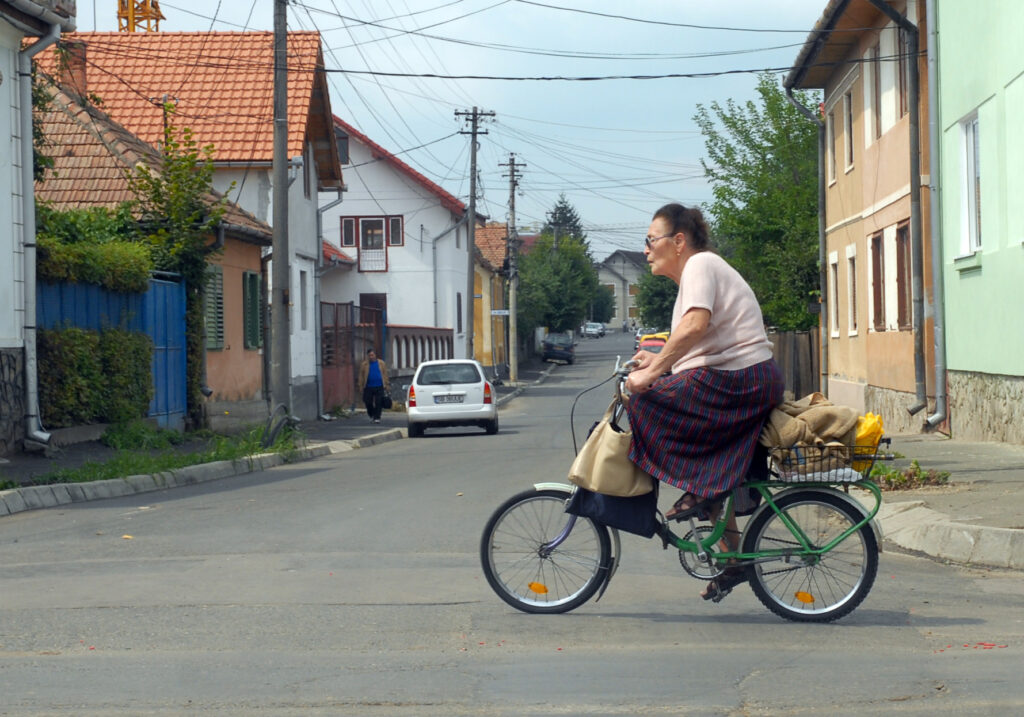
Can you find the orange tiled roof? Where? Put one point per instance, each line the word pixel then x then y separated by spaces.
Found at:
pixel 490 241
pixel 92 155
pixel 333 253
pixel 222 86
pixel 448 201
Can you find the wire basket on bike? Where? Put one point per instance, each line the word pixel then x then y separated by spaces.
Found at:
pixel 825 463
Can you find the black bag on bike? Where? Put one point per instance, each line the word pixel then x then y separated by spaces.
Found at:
pixel 637 514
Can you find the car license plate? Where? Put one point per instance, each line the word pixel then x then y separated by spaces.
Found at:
pixel 451 398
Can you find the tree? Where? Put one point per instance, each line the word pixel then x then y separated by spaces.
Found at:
pixel 762 164
pixel 178 219
pixel 602 306
pixel 655 297
pixel 556 286
pixel 563 221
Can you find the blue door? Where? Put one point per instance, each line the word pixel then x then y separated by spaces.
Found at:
pixel 163 317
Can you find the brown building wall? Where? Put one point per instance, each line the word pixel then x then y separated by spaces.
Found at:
pixel 235 373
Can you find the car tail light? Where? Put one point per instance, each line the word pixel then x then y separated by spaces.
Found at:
pixel 411 403
pixel 487 393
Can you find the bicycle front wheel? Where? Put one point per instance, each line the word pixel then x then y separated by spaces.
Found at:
pixel 527 575
pixel 812 588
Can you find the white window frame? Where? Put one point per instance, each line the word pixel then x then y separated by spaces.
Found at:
pixel 852 327
pixel 848 129
pixel 833 294
pixel 970 173
pixel 830 149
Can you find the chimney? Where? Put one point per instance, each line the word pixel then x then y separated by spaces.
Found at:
pixel 71 64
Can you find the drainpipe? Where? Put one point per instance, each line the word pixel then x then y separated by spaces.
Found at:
pixel 33 425
pixel 822 255
pixel 938 281
pixel 433 243
pixel 316 300
pixel 916 247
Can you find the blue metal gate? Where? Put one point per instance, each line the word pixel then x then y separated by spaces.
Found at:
pixel 159 313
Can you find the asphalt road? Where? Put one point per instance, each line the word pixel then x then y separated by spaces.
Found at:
pixel 350 585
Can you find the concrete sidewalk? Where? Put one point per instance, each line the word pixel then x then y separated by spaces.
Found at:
pixel 977 519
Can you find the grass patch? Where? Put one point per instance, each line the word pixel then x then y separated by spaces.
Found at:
pixel 143 450
pixel 907 478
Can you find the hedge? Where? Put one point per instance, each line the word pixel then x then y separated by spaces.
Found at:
pixel 116 265
pixel 93 376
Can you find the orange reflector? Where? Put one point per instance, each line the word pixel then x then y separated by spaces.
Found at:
pixel 539 588
pixel 805 598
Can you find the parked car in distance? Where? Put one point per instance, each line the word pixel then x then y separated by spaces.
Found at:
pixel 452 392
pixel 642 331
pixel 652 342
pixel 558 347
pixel 593 330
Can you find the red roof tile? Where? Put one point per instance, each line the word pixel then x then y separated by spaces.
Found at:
pixel 92 155
pixel 491 241
pixel 221 86
pixel 332 252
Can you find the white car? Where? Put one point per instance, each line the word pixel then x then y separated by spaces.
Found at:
pixel 593 330
pixel 453 392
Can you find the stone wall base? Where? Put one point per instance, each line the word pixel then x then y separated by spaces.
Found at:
pixel 986 407
pixel 892 407
pixel 12 400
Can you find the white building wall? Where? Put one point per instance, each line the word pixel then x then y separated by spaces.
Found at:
pixel 11 246
pixel 418 294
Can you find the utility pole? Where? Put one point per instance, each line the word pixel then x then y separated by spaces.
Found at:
pixel 512 250
pixel 474 118
pixel 280 309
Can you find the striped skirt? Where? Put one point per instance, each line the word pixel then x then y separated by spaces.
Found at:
pixel 696 430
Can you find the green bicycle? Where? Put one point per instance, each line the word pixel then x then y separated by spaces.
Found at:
pixel 809 551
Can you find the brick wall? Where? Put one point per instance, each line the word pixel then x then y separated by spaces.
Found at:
pixel 12 400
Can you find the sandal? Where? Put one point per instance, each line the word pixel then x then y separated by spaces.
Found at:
pixel 689 505
pixel 721 586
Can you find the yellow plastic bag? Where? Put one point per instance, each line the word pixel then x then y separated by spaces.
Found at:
pixel 869 433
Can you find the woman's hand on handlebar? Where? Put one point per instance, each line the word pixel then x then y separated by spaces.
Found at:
pixel 641 377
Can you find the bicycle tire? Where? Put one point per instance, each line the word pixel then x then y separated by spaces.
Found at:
pixel 808 588
pixel 528 581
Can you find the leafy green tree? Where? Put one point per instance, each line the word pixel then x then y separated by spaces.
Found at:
pixel 762 164
pixel 178 217
pixel 556 286
pixel 655 297
pixel 602 307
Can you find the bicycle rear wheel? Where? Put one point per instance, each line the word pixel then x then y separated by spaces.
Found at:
pixel 808 588
pixel 535 580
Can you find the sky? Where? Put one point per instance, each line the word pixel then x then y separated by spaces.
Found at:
pixel 617 148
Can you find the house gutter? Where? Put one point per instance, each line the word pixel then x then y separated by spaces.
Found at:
pixel 934 177
pixel 433 244
pixel 33 424
pixel 916 244
pixel 822 253
pixel 320 271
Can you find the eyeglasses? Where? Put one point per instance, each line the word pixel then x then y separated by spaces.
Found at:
pixel 649 241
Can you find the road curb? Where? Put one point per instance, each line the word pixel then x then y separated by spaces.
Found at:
pixel 18 500
pixel 519 389
pixel 912 526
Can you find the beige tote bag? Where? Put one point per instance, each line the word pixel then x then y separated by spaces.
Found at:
pixel 603 464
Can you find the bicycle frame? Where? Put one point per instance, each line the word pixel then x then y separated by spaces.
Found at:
pixel 707 545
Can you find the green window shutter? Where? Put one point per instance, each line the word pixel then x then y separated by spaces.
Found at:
pixel 214 307
pixel 253 316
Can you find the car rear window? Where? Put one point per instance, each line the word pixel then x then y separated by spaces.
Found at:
pixel 558 339
pixel 448 373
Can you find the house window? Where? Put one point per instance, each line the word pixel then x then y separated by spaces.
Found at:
pixel 214 308
pixel 396 234
pixel 831 149
pixel 848 129
pixel 904 70
pixel 851 289
pixel 252 314
pixel 833 293
pixel 373 236
pixel 348 232
pixel 878 282
pixel 971 187
pixel 876 90
pixel 903 275
pixel 307 174
pixel 458 312
pixel 303 300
